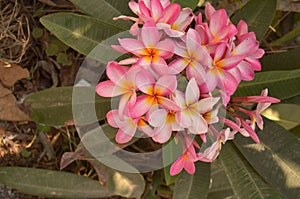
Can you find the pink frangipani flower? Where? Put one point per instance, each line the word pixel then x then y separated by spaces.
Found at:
pixel 154 93
pixel 150 51
pixel 185 161
pixel 122 82
pixel 191 108
pixel 127 126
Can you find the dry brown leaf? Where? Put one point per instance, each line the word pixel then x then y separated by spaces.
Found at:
pixel 4 91
pixel 11 73
pixel 9 111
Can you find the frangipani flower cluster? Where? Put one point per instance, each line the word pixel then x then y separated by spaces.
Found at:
pixel 212 54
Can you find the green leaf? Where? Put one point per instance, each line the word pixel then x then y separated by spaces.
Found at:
pixel 52 184
pixel 37 33
pixel 244 181
pixel 276 159
pixel 258 15
pixel 281 84
pixel 62 58
pixel 286 38
pixel 171 151
pixel 184 3
pixel 51 49
pixel 121 6
pixel 287 60
pixel 220 186
pixel 82 33
pixel 53 107
pixel 193 186
pixel 103 10
pixel 286 115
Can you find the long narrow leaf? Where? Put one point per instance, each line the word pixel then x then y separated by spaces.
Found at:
pixel 258 14
pixel 82 33
pixel 287 60
pixel 191 3
pixel 53 106
pixel 52 184
pixel 103 10
pixel 286 38
pixel 276 159
pixel 245 182
pixel 193 186
pixel 281 84
pixel 220 186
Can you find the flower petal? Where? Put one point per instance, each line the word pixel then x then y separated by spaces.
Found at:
pixel 116 72
pixel 192 92
pixel 218 21
pixel 177 166
pixel 206 104
pixel 156 9
pixel 109 89
pixel 149 35
pixel 171 13
pixel 165 85
pixel 160 66
pixel 158 117
pixel 145 82
pixel 165 48
pixel 177 66
pixel 142 105
pixel 123 137
pixel 168 104
pixel 189 166
pixel 163 133
pixel 134 46
pixel 113 118
pixel 197 71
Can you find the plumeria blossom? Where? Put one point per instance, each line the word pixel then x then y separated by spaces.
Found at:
pixel 165 15
pixel 192 57
pixel 154 93
pixel 181 70
pixel 122 82
pixel 192 108
pixel 164 123
pixel 219 28
pixel 186 160
pixel 150 50
pixel 127 126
